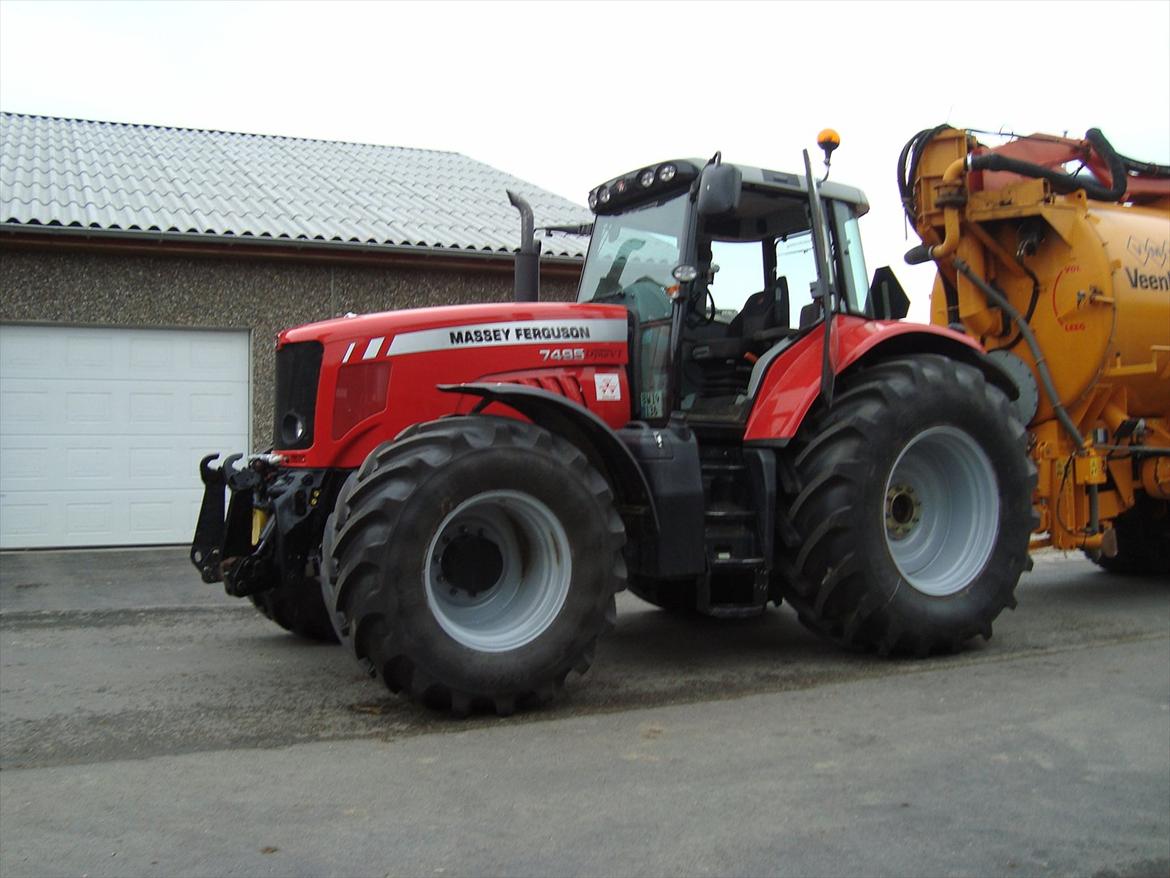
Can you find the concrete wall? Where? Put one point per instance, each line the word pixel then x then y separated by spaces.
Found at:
pixel 261 295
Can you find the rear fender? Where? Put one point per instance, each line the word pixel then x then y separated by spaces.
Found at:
pixel 596 439
pixel 793 381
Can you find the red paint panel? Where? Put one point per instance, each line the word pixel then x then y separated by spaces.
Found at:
pixel 793 381
pixel 427 347
pixel 580 385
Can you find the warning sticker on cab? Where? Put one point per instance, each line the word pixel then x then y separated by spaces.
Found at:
pixel 608 386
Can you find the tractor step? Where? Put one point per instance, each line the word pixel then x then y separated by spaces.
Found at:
pixel 736 611
pixel 738 564
pixel 709 466
pixel 725 514
pixel 736 588
pixel 737 583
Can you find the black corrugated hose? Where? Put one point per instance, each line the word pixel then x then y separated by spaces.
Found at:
pixel 1119 168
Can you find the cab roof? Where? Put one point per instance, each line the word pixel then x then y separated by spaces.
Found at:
pixel 675 175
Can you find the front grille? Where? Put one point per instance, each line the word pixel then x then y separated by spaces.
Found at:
pixel 298 369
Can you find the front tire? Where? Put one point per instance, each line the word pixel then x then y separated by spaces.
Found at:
pixel 914 511
pixel 297 608
pixel 472 563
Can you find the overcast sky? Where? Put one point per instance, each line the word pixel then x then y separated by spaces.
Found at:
pixel 566 95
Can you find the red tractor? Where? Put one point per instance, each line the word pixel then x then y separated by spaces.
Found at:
pixel 731 413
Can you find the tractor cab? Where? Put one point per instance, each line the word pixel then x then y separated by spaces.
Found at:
pixel 718 267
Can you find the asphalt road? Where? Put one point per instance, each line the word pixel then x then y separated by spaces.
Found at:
pixel 150 725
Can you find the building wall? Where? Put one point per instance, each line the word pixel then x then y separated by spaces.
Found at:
pixel 261 295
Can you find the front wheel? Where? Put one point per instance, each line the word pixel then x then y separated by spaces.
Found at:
pixel 472 563
pixel 297 608
pixel 914 511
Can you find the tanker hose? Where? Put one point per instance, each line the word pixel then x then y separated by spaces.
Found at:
pixel 1117 169
pixel 1146 169
pixel 1000 300
pixel 1062 182
pixel 908 166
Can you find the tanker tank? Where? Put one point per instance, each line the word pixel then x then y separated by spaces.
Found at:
pixel 1064 277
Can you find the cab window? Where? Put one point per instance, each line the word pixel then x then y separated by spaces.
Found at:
pixel 740 273
pixel 796 262
pixel 856 291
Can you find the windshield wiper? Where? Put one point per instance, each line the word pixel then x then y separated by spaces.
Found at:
pixel 582 229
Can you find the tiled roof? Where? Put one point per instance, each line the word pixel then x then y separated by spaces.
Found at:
pixel 130 178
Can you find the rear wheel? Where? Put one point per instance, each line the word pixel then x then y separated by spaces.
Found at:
pixel 472 563
pixel 1143 540
pixel 914 511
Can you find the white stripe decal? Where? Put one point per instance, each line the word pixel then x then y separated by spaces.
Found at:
pixel 349 352
pixel 518 332
pixel 373 347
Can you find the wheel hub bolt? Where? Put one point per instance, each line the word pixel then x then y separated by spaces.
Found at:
pixel 903 510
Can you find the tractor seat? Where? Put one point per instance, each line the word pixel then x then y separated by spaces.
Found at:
pixel 761 322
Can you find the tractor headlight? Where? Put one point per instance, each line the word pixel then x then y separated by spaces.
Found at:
pixel 292 429
pixel 666 173
pixel 647 179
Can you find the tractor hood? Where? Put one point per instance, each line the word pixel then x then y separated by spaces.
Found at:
pixel 496 323
pixel 343 386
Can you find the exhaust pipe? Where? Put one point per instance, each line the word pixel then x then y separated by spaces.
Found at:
pixel 526 286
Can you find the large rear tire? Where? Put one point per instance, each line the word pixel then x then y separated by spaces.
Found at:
pixel 472 563
pixel 914 509
pixel 1143 540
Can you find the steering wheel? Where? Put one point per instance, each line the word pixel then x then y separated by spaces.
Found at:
pixel 705 317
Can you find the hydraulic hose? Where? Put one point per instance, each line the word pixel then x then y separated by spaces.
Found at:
pixel 1001 301
pixel 951 219
pixel 1119 168
pixel 912 153
pixel 1062 182
pixel 1146 169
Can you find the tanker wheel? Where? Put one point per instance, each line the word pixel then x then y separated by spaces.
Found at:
pixel 914 512
pixel 472 563
pixel 299 609
pixel 1143 540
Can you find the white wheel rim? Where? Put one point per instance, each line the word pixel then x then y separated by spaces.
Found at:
pixel 940 513
pixel 513 596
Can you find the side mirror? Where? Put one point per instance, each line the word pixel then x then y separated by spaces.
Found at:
pixel 719 189
pixel 886 296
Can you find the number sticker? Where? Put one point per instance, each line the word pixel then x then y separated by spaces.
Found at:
pixel 560 354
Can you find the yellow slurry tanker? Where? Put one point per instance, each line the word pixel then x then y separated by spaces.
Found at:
pixel 1055 254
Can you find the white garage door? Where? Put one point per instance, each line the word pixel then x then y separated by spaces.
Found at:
pixel 101 431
